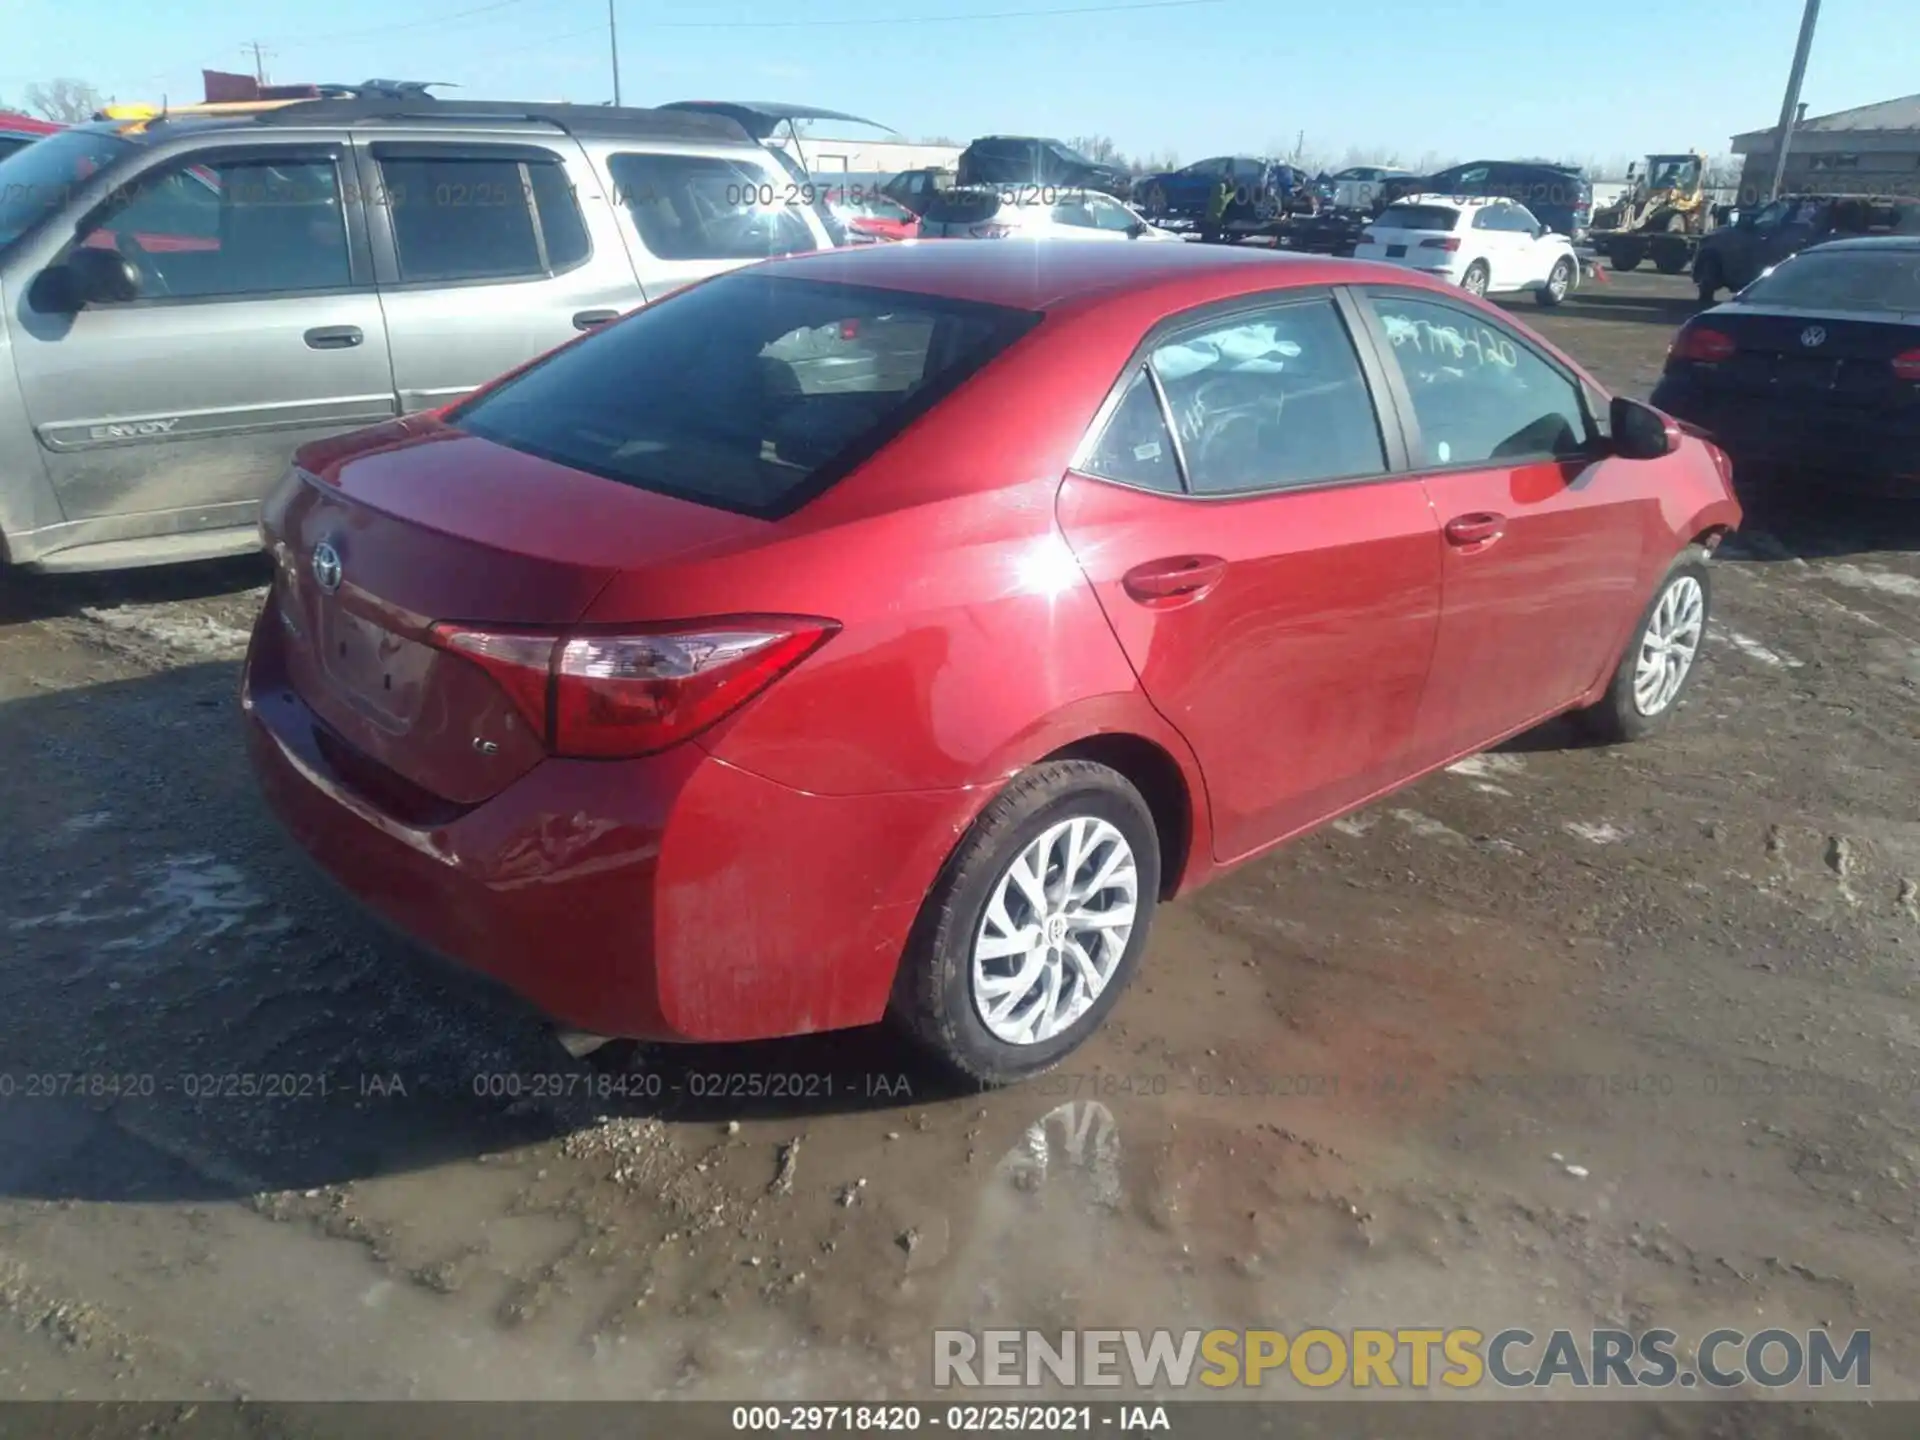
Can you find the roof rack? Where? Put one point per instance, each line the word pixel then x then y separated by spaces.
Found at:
pixel 570 119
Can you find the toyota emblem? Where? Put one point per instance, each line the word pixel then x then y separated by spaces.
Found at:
pixel 1813 335
pixel 326 567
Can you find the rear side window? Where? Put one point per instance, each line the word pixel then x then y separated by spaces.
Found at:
pixel 749 393
pixel 1135 446
pixel 1417 217
pixel 481 217
pixel 700 207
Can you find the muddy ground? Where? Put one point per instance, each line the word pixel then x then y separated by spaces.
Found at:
pixel 1564 1036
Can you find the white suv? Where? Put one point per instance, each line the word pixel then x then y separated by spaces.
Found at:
pixel 1484 246
pixel 1034 212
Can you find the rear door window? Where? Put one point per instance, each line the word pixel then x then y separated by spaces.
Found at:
pixel 480 216
pixel 703 207
pixel 750 393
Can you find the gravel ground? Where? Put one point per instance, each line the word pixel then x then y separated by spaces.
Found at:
pixel 1561 1036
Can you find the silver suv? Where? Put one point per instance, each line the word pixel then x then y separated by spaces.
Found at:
pixel 187 298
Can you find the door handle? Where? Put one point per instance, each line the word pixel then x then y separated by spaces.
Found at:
pixel 1478 530
pixel 1176 580
pixel 335 337
pixel 587 319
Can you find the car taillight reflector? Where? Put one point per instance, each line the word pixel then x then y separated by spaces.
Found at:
pixel 1701 345
pixel 849 329
pixel 605 694
pixel 1441 242
pixel 1906 366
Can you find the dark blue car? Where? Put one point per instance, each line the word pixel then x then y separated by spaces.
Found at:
pixel 1262 188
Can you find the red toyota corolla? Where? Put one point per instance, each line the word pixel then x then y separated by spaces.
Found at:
pixel 892 629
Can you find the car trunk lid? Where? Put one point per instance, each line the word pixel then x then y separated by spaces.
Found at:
pixel 1836 359
pixel 373 551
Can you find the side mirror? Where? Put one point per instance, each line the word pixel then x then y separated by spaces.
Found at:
pixel 1641 432
pixel 1136 230
pixel 90 275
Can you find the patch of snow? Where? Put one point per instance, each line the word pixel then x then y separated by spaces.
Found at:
pixel 1354 825
pixel 91 820
pixel 1486 765
pixel 1601 834
pixel 1887 582
pixel 199 635
pixel 1754 650
pixel 1426 827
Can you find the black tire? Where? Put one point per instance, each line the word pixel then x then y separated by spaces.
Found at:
pixel 1618 717
pixel 1670 256
pixel 1562 275
pixel 1625 255
pixel 1707 279
pixel 1475 281
pixel 933 999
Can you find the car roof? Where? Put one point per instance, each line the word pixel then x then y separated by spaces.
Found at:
pixel 18 124
pixel 1868 243
pixel 1063 275
pixel 382 112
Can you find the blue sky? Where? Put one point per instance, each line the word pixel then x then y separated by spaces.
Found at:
pixel 1456 78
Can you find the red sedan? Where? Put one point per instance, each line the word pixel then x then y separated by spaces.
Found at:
pixel 892 629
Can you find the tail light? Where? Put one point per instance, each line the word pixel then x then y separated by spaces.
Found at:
pixel 1441 242
pixel 1906 366
pixel 602 695
pixel 1701 346
pixel 849 329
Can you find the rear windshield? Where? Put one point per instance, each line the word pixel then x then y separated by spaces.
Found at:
pixel 1888 282
pixel 1417 217
pixel 750 393
pixel 703 207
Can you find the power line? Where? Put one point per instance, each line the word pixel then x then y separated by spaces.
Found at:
pixel 432 20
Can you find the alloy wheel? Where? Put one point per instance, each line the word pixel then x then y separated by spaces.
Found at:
pixel 1669 645
pixel 1056 926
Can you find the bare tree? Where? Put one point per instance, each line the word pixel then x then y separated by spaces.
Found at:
pixel 1160 162
pixel 64 100
pixel 1100 149
pixel 937 140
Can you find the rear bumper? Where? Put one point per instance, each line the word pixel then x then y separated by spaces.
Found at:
pixel 1850 450
pixel 673 897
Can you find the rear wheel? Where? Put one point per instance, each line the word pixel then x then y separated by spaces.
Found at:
pixel 1660 661
pixel 1708 279
pixel 1035 925
pixel 1626 255
pixel 1559 282
pixel 1671 254
pixel 1474 282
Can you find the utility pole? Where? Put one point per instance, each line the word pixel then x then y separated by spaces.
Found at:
pixel 1790 106
pixel 613 49
pixel 259 53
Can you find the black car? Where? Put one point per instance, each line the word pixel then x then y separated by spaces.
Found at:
pixel 1027 160
pixel 1559 196
pixel 1730 259
pixel 1813 370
